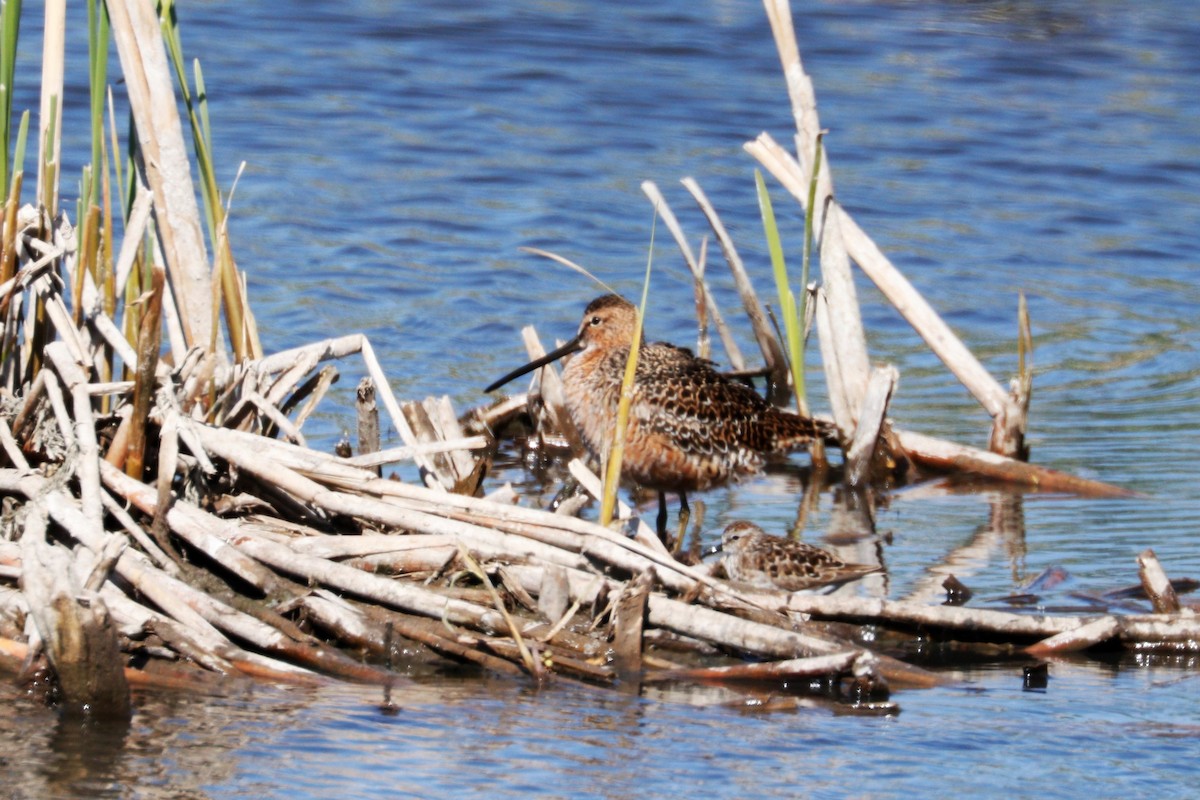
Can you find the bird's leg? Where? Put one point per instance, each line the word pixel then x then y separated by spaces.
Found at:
pixel 662 517
pixel 685 516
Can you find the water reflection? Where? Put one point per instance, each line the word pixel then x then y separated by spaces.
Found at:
pixel 86 755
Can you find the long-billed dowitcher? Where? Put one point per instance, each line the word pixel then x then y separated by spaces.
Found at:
pixel 749 555
pixel 690 428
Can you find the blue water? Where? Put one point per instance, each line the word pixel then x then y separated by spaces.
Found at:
pixel 398 155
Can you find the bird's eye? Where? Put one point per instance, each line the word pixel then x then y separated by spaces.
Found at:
pixel 595 321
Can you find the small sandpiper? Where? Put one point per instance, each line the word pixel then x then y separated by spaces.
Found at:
pixel 752 556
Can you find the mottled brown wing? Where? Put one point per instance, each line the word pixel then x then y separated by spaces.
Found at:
pixel 685 399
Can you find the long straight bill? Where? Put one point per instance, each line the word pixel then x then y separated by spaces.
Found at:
pixel 568 348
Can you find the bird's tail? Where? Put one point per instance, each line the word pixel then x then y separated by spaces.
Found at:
pixel 797 431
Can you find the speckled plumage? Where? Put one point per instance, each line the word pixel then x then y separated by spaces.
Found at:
pixel 749 555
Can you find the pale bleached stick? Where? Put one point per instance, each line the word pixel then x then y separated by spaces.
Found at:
pixel 394 454
pixel 60 317
pixel 148 545
pixel 88 465
pixel 58 405
pixel 110 333
pixel 870 424
pixel 276 417
pixel 110 388
pixel 849 340
pixel 736 361
pixel 324 380
pixel 11 448
pixel 943 455
pixel 152 101
pixel 551 389
pixel 591 482
pixel 135 231
pixel 844 415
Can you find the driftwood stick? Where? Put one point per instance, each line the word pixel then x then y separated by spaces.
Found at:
pixel 845 416
pixel 628 619
pixel 394 454
pixel 979 622
pixel 789 670
pixel 368 419
pixel 591 483
pixel 11 448
pixel 1156 583
pixel 85 432
pixel 946 456
pixel 1081 637
pixel 61 416
pixel 870 423
pixel 148 545
pixel 74 625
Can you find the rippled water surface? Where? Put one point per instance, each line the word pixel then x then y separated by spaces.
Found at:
pixel 398 155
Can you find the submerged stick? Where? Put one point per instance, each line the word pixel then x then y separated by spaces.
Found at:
pixel 947 456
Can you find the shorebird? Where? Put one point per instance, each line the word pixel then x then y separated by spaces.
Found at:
pixel 690 428
pixel 750 555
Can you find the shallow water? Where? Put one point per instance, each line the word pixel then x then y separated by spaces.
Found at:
pixel 398 155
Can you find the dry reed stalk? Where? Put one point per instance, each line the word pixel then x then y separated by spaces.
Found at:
pixel 165 165
pixel 88 464
pixel 736 361
pixel 871 419
pixel 149 343
pixel 773 355
pixel 50 117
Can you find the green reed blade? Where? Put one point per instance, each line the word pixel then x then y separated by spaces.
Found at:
pixel 809 211
pixel 98 37
pixel 10 27
pixel 787 300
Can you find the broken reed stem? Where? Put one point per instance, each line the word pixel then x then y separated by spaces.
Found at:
pixel 149 342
